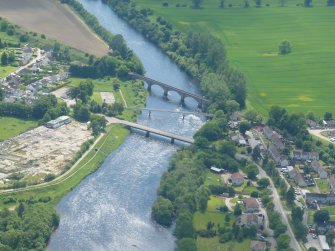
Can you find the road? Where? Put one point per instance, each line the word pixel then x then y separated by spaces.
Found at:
pixel 276 201
pixel 150 129
pixel 317 133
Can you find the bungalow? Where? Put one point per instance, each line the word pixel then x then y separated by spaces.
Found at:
pixel 257 246
pixel 251 205
pixel 299 155
pixel 319 169
pixel 297 177
pixel 325 199
pixel 237 179
pixel 246 220
pixel 277 157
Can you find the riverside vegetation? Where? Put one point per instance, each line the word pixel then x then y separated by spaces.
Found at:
pixel 27 215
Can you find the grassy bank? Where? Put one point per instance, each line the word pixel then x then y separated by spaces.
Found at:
pixel 11 127
pixel 56 189
pixel 299 81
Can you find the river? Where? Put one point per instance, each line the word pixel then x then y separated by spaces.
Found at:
pixel 110 209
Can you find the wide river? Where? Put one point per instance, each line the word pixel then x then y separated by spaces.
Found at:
pixel 110 209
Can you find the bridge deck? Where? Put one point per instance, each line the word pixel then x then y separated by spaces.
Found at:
pixel 150 129
pixel 170 87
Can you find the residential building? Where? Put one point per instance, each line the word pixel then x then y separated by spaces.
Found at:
pixel 277 157
pixel 237 179
pixel 297 177
pixel 251 205
pixel 299 155
pixel 246 220
pixel 325 199
pixel 324 227
pixel 62 120
pixel 311 123
pixel 319 169
pixel 217 170
pixel 323 243
pixel 331 181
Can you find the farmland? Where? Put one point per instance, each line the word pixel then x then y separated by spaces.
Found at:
pixel 299 81
pixel 54 20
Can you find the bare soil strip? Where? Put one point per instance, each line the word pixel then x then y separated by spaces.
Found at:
pixel 55 20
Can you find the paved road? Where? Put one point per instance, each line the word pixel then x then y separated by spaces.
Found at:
pixel 278 206
pixel 317 133
pixel 38 57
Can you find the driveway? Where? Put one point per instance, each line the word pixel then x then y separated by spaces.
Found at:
pixel 317 133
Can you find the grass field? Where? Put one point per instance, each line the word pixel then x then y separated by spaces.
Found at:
pixel 10 127
pixel 323 185
pixel 300 81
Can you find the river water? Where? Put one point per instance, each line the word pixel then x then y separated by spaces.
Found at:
pixel 110 209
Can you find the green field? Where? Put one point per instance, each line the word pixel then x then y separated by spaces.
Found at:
pixel 301 81
pixel 10 127
pixel 323 185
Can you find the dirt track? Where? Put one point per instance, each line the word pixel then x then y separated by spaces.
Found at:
pixel 51 18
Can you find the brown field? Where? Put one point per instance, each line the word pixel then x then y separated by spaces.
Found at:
pixel 53 19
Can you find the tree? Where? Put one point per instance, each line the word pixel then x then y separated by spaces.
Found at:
pixel 253 117
pixel 184 225
pixel 222 4
pixel 252 171
pixel 282 3
pixel 285 47
pixel 20 210
pixel 297 214
pixel 4 58
pixel 1 95
pixel 163 211
pixel 256 153
pixel 258 3
pixel 308 3
pixel 283 241
pixel 202 195
pixel 237 210
pixel 98 124
pixel 263 182
pixel 186 244
pixel 307 146
pixel 330 237
pixel 196 4
pixel 244 126
pixel 330 2
pixel 321 216
pixel 328 116
pixel 290 195
pixel 231 106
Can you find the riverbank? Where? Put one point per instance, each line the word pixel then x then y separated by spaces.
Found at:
pixel 54 20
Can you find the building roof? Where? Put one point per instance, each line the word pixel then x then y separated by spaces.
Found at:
pixel 323 243
pixel 236 175
pixel 251 202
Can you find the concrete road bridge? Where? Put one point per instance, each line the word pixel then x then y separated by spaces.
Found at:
pixel 149 130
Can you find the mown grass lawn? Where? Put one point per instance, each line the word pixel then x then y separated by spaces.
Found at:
pixel 11 127
pixel 323 185
pixel 301 81
pixel 6 70
pixel 213 244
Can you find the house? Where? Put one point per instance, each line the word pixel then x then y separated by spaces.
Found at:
pixel 251 205
pixel 325 199
pixel 299 155
pixel 319 169
pixel 62 120
pixel 246 220
pixel 277 157
pixel 239 139
pixel 331 123
pixel 257 246
pixel 275 138
pixel 311 123
pixel 323 243
pixel 237 179
pixel 235 117
pixel 332 184
pixel 297 177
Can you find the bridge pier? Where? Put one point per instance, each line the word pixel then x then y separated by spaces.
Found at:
pixel 200 105
pixel 149 87
pixel 149 114
pixel 147 134
pixel 166 91
pixel 172 140
pixel 182 99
